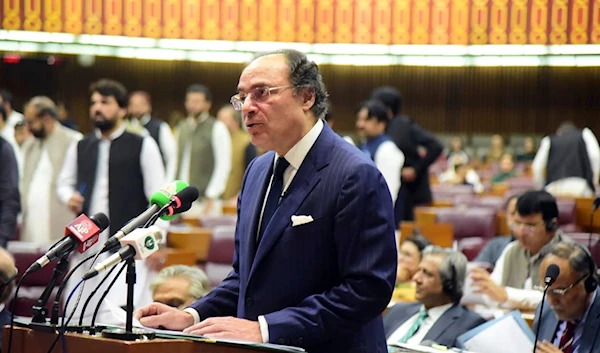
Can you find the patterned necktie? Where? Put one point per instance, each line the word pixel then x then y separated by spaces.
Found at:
pixel 415 327
pixel 274 194
pixel 566 340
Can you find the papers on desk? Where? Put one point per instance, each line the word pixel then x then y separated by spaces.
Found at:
pixel 508 334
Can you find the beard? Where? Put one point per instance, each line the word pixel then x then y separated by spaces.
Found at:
pixel 39 134
pixel 104 124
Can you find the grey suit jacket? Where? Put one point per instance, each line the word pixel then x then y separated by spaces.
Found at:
pixel 453 323
pixel 589 342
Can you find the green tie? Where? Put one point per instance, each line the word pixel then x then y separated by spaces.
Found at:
pixel 415 327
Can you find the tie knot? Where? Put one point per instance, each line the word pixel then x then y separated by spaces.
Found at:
pixel 280 167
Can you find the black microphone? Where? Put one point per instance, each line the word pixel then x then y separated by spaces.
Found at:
pixel 552 273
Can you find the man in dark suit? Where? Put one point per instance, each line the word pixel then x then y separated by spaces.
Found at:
pixel 571 316
pixel 409 136
pixel 437 317
pixel 10 200
pixel 7 284
pixel 315 256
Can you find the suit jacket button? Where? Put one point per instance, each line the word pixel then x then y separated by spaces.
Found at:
pixel 300 340
pixel 249 302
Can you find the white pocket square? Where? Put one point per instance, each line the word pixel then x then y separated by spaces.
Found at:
pixel 300 220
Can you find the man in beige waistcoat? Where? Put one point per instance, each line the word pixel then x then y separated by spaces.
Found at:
pixel 44 217
pixel 514 283
pixel 242 151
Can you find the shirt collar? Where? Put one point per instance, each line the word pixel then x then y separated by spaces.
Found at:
pixel 295 156
pixel 115 135
pixel 436 312
pixel 145 119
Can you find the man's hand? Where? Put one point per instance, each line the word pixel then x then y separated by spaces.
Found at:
pixel 481 279
pixel 227 327
pixel 157 314
pixel 75 203
pixel 156 261
pixel 547 347
pixel 409 174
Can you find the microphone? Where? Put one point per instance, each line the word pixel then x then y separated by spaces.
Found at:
pixel 82 233
pixel 158 200
pixel 139 244
pixel 180 203
pixel 551 275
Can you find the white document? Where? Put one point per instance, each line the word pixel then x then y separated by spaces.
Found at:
pixel 508 334
pixel 120 315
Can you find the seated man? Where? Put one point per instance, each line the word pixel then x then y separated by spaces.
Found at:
pixel 494 248
pixel 437 317
pixel 179 286
pixel 569 322
pixel 511 283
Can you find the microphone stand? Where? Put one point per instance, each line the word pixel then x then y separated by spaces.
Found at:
pixel 129 334
pixel 39 310
pixel 537 331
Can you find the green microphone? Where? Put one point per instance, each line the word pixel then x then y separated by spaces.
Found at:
pixel 157 201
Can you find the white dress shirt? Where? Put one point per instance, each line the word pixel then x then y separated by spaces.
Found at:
pixel 295 156
pixel 8 133
pixel 153 179
pixel 390 160
pixel 36 223
pixel 568 186
pixel 517 298
pixel 433 316
pixel 221 146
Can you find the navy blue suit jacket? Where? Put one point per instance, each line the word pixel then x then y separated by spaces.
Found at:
pixel 589 342
pixel 321 285
pixel 453 323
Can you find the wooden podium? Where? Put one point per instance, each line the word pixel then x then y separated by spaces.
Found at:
pixel 26 340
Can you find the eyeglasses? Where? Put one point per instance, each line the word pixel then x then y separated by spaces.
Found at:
pixel 10 279
pixel 259 94
pixel 527 228
pixel 560 292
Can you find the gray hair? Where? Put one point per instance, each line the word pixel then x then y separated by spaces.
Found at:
pixel 199 284
pixel 578 258
pixel 305 75
pixel 43 105
pixel 453 269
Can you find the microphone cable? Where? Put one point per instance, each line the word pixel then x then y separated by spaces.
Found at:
pixel 87 302
pixel 123 266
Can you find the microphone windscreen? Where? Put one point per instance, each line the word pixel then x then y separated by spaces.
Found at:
pixel 100 220
pixel 552 273
pixel 166 193
pixel 188 195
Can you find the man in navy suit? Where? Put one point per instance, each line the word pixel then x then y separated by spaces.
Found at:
pixel 315 256
pixel 437 317
pixel 571 316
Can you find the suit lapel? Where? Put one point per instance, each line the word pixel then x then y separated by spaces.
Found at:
pixel 590 330
pixel 303 183
pixel 549 326
pixel 256 189
pixel 443 323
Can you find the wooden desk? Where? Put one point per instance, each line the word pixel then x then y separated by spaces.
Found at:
pixel 441 234
pixel 425 215
pixel 29 341
pixel 195 239
pixel 180 257
pixel 229 209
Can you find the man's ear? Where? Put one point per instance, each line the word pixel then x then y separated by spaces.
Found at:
pixel 308 98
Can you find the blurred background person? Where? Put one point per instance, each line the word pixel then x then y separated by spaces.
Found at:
pixel 496 150
pixel 507 169
pixel 242 151
pixel 410 254
pixel 179 286
pixel 529 150
pixel 44 216
pixel 10 200
pixel 140 113
pixel 567 164
pixel 22 133
pixel 64 117
pixel 459 172
pixel 456 148
pixel 8 273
